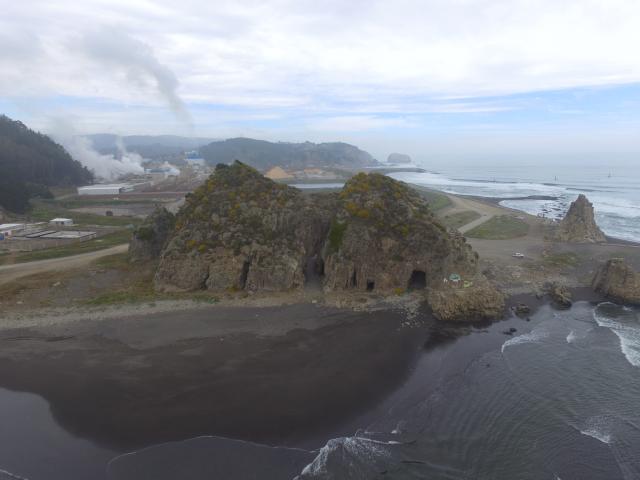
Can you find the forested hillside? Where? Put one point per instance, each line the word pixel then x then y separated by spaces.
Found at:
pixel 263 155
pixel 30 162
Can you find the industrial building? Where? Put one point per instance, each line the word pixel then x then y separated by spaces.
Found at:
pixel 10 229
pixel 61 222
pixel 111 188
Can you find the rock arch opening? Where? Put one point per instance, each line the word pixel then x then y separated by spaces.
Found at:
pixel 370 285
pixel 418 280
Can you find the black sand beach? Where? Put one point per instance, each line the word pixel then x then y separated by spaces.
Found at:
pixel 281 375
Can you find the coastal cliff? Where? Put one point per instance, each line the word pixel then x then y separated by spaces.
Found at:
pixel 579 224
pixel 618 281
pixel 241 231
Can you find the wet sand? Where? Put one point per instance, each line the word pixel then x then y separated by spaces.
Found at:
pixel 279 375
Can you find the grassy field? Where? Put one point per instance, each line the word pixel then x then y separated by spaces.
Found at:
pixel 139 287
pixel 568 259
pixel 436 200
pixel 109 240
pixel 458 219
pixel 501 227
pixel 44 210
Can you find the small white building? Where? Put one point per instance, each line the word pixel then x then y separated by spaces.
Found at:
pixel 10 229
pixel 61 222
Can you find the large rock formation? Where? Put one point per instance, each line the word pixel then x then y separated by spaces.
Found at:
pixel 149 239
pixel 384 237
pixel 579 223
pixel 618 281
pixel 398 158
pixel 242 231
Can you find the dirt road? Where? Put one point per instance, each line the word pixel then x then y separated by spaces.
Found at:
pixel 12 272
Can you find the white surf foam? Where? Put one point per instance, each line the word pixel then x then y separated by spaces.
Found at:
pixel 571 337
pixel 598 428
pixel 6 474
pixel 628 335
pixel 356 453
pixel 533 336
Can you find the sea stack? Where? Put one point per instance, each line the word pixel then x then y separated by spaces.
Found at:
pixel 617 280
pixel 579 224
pixel 398 158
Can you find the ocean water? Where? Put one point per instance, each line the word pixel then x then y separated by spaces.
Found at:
pixel 559 401
pixel 613 188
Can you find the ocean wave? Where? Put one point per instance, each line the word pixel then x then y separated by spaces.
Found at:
pixel 4 474
pixel 571 337
pixel 362 457
pixel 532 337
pixel 625 326
pixel 598 428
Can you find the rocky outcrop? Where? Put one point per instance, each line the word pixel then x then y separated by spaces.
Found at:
pixel 476 303
pixel 242 231
pixel 385 237
pixel 579 224
pixel 560 296
pixel 398 158
pixel 149 239
pixel 618 281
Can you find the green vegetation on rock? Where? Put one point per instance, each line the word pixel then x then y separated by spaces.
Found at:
pixel 501 227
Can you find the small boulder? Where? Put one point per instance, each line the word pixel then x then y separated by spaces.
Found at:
pixel 522 310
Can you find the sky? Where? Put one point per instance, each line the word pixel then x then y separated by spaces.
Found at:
pixel 434 78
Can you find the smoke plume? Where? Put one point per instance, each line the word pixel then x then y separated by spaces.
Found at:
pixel 116 49
pixel 104 166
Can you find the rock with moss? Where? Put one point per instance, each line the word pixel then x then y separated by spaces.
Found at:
pixel 579 224
pixel 560 295
pixel 243 231
pixel 618 281
pixel 384 237
pixel 149 239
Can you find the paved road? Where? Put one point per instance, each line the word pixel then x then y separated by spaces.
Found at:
pixel 18 270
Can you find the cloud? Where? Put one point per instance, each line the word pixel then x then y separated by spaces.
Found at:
pixel 355 123
pixel 354 66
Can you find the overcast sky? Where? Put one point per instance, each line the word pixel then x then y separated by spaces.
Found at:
pixel 470 77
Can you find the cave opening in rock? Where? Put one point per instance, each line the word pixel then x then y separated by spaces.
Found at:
pixel 418 280
pixel 313 271
pixel 370 285
pixel 244 275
